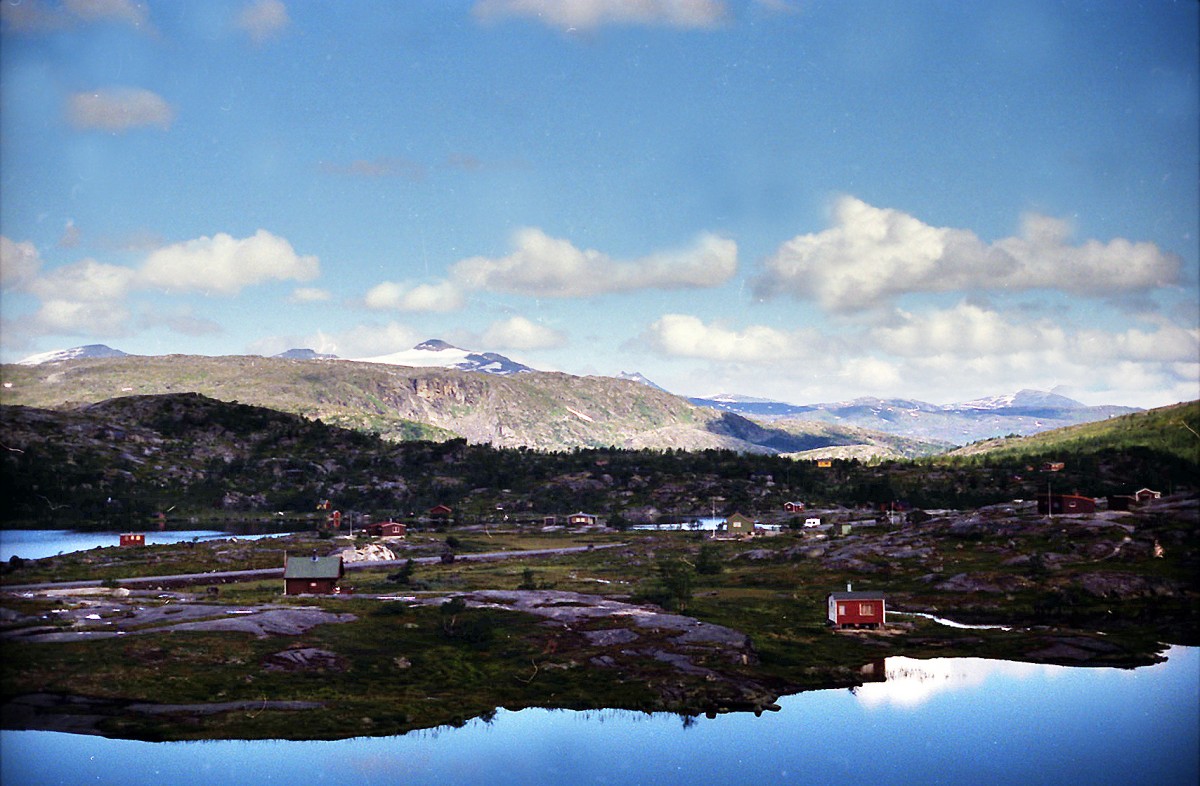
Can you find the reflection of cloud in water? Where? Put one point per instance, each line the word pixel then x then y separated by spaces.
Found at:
pixel 911 681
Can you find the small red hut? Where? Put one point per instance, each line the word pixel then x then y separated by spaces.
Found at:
pixel 133 539
pixel 856 609
pixel 388 529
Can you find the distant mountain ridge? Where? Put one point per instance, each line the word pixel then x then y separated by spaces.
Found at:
pixel 541 410
pixel 1024 412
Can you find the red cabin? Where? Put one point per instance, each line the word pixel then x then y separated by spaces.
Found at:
pixel 133 539
pixel 856 609
pixel 388 529
pixel 1052 504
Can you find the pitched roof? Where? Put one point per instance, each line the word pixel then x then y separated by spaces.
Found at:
pixel 313 568
pixel 856 595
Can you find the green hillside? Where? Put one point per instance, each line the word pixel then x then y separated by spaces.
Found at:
pixel 1170 431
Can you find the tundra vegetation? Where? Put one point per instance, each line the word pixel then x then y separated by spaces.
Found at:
pixel 649 620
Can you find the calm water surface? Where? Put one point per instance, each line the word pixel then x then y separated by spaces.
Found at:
pixel 944 721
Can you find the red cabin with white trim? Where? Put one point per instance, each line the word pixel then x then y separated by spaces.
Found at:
pixel 856 609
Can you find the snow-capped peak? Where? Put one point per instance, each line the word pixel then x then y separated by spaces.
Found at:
pixel 74 353
pixel 1022 399
pixel 436 353
pixel 640 378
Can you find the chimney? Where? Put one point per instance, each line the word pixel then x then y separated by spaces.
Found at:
pixel 848 589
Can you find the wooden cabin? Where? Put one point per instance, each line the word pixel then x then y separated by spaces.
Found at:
pixel 1061 504
pixel 133 539
pixel 388 529
pixel 737 526
pixel 856 609
pixel 581 519
pixel 312 575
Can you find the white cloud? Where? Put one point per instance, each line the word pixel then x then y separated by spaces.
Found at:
pixel 309 295
pixel 361 341
pixel 390 296
pixel 520 333
pixel 982 336
pixel 85 281
pixel 590 14
pixel 80 318
pixel 224 265
pixel 543 266
pixel 873 255
pixel 19 263
pixel 119 109
pixel 685 336
pixel 263 20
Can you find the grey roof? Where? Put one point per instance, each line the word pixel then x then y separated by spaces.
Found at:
pixel 313 568
pixel 856 595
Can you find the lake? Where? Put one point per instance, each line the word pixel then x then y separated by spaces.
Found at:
pixel 940 721
pixel 39 543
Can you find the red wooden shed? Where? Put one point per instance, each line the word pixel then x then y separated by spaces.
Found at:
pixel 388 529
pixel 856 609
pixel 133 539
pixel 1051 504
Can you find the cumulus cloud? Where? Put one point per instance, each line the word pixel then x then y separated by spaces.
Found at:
pixel 543 266
pixel 225 265
pixel 871 255
pixel 591 14
pixel 686 336
pixel 119 109
pixel 19 263
pixel 80 318
pixel 85 281
pixel 360 341
pixel 391 296
pixel 520 333
pixel 263 20
pixel 976 335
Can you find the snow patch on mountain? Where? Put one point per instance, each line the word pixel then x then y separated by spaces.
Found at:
pixel 74 353
pixel 436 353
pixel 641 379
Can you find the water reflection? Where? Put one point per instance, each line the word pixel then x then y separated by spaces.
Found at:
pixel 911 682
pixel 935 721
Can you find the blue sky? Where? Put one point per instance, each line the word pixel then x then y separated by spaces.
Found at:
pixel 804 201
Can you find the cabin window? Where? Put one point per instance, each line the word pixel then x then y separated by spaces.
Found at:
pixel 841 609
pixel 866 609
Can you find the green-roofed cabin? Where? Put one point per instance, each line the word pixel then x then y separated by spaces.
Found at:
pixel 312 575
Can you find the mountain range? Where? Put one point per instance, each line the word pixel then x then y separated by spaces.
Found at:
pixel 1022 413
